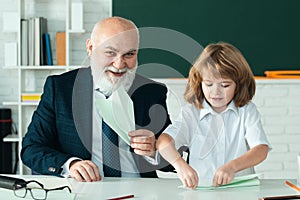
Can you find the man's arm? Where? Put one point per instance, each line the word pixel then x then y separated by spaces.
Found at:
pixel 39 147
pixel 52 137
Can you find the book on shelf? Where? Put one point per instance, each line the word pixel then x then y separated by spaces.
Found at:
pixel 33 29
pixel 47 49
pixel 61 48
pixel 37 42
pixel 24 41
pixel 30 50
pixel 40 29
pixel 43 31
pixel 30 97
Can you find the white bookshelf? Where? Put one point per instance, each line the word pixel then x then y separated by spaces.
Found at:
pixel 12 138
pixel 58 14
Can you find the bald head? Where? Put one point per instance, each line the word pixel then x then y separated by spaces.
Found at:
pixel 112 26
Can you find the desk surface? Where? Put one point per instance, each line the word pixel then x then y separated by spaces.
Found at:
pixel 168 189
pixel 164 189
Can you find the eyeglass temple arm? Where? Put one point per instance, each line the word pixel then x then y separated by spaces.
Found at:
pixel 34 181
pixel 42 186
pixel 60 188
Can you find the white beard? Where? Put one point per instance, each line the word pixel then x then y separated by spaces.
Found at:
pixel 108 84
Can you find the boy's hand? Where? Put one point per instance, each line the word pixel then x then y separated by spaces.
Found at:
pixel 223 175
pixel 186 173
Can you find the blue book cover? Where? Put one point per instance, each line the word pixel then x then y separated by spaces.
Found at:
pixel 49 59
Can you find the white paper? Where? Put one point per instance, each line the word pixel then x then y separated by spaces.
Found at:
pixel 237 182
pixel 117 111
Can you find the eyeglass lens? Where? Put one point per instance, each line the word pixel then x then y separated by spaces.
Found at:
pixel 37 190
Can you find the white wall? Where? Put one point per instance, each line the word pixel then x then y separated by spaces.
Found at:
pixel 8 81
pixel 278 101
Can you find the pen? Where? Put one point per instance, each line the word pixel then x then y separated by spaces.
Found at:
pixel 292 186
pixel 280 197
pixel 122 197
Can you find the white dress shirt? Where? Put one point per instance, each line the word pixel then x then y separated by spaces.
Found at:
pixel 240 131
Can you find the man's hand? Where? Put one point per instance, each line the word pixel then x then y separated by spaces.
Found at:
pixel 143 142
pixel 84 170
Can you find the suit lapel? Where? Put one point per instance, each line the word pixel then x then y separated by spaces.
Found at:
pixel 82 106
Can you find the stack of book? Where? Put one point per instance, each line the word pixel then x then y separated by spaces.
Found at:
pixel 30 97
pixel 35 42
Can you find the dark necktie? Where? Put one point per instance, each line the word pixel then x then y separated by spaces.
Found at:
pixel 110 152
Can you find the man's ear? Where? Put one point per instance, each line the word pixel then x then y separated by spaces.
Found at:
pixel 89 46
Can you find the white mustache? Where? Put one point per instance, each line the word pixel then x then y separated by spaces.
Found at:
pixel 115 70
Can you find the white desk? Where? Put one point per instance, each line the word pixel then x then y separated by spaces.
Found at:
pixel 163 189
pixel 168 189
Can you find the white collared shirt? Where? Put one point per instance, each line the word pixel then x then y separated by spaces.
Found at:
pixel 241 131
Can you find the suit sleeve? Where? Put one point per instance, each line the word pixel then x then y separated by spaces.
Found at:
pixel 151 113
pixel 40 148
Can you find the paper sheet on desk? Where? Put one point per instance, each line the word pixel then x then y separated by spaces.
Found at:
pixel 117 111
pixel 240 181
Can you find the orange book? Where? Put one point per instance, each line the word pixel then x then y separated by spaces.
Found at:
pixel 61 48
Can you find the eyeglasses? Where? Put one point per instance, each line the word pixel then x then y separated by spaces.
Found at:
pixel 37 191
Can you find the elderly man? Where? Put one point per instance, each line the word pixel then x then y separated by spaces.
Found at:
pixel 68 136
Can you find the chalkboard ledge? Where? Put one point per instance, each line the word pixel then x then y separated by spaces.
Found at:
pixel 258 79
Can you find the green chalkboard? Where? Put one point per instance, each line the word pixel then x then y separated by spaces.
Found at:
pixel 266 31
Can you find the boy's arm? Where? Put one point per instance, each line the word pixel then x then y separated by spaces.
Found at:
pixel 166 147
pixel 254 156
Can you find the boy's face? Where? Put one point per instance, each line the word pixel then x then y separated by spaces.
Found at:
pixel 217 91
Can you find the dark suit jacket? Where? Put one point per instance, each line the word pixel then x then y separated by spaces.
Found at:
pixel 61 127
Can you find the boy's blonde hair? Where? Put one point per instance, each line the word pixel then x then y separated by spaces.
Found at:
pixel 226 61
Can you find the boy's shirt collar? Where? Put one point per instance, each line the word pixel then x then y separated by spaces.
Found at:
pixel 207 109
